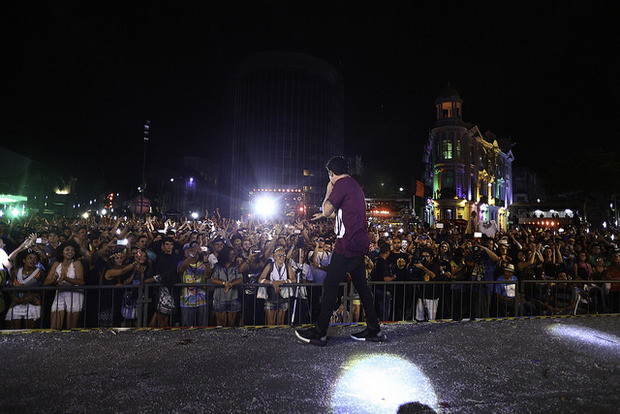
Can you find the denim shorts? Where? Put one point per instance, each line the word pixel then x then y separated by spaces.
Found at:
pixel 276 305
pixel 227 306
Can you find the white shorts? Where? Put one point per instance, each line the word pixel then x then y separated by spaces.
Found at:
pixel 27 311
pixel 68 301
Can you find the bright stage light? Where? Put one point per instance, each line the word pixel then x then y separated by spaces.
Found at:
pixel 380 384
pixel 194 215
pixel 265 206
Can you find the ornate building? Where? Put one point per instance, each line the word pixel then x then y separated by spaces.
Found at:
pixel 470 173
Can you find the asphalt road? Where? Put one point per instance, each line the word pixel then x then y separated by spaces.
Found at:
pixel 568 365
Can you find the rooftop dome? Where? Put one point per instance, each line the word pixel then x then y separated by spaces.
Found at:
pixel 448 92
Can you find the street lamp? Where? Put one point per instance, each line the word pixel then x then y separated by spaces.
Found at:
pixel 147 127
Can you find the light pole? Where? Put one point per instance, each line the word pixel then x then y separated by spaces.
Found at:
pixel 147 127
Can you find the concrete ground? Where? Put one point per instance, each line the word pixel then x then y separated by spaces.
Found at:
pixel 568 365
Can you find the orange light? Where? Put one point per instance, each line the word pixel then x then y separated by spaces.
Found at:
pixel 380 212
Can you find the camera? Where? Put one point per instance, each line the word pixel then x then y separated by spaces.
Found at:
pixel 417 257
pixel 300 243
pixel 476 252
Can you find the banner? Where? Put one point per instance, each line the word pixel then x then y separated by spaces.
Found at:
pixel 488 228
pixel 419 189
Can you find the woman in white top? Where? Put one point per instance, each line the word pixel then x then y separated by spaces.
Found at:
pixel 66 271
pixel 277 273
pixel 25 305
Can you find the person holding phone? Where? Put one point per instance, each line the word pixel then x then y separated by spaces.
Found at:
pixel 344 201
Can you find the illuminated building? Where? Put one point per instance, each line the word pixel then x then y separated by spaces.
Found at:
pixel 286 123
pixel 470 173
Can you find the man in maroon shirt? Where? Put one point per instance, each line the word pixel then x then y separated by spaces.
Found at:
pixel 344 201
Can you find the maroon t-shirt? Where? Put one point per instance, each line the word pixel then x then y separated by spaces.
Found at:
pixel 349 204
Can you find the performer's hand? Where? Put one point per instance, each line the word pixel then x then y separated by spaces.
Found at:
pixel 317 216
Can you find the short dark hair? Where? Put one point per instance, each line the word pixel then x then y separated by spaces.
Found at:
pixel 384 248
pixel 224 253
pixel 338 165
pixel 61 247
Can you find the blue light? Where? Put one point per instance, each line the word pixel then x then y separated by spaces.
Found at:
pixel 380 384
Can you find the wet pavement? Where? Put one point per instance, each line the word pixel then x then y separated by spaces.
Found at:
pixel 568 365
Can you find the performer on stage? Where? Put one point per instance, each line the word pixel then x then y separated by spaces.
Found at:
pixel 344 201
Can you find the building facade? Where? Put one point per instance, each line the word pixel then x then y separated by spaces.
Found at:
pixel 470 174
pixel 286 123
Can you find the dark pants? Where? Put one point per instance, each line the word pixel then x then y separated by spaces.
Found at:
pixel 339 266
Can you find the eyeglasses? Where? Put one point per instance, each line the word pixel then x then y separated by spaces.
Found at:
pixel 320 239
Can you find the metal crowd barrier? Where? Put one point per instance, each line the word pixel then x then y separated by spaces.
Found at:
pixel 102 306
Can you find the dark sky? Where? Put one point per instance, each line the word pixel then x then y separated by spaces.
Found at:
pixel 80 78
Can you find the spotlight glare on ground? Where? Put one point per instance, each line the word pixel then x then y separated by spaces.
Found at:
pixel 381 383
pixel 589 336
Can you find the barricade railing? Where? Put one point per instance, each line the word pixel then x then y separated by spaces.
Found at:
pixel 573 297
pixel 135 305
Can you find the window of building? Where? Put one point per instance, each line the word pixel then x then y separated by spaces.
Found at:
pixel 458 148
pixel 447 148
pixel 447 214
pixel 447 179
pixel 446 109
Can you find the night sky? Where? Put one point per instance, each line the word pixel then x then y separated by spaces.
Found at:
pixel 80 78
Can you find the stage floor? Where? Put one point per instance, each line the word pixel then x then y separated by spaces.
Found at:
pixel 568 365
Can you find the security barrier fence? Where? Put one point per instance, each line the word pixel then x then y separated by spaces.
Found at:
pixel 135 305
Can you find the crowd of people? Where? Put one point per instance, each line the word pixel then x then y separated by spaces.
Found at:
pixel 62 273
pixel 535 266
